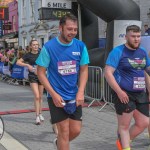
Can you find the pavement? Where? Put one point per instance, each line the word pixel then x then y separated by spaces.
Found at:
pixel 21 133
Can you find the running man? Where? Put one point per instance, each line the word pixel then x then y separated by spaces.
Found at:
pixel 66 60
pixel 124 72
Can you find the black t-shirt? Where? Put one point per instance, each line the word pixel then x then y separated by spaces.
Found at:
pixel 30 58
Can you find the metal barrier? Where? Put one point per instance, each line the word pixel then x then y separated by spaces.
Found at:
pixel 94 85
pixel 97 88
pixel 107 96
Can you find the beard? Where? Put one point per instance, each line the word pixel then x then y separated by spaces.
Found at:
pixel 133 46
pixel 65 38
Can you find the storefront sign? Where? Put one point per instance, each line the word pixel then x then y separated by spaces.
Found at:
pixel 61 4
pixel 4 14
pixel 7 26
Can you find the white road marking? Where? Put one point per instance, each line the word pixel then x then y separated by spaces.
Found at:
pixel 10 143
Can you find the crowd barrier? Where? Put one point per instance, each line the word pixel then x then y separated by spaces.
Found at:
pixel 97 89
pixel 4 69
pixel 94 85
pixel 18 73
pixel 107 96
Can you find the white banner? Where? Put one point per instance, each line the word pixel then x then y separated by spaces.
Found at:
pixel 120 30
pixel 61 4
pixel 145 42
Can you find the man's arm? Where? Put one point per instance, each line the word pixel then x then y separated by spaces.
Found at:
pixel 82 83
pixel 57 99
pixel 114 85
pixel 147 81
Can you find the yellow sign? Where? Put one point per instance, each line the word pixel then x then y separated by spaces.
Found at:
pixel 4 3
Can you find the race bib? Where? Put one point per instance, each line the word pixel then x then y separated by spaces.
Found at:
pixel 139 83
pixel 67 67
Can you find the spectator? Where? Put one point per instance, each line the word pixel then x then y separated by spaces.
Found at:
pixel 147 30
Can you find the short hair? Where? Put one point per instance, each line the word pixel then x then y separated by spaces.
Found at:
pixel 133 28
pixel 68 16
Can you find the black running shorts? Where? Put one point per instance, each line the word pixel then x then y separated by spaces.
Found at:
pixel 137 100
pixel 58 114
pixel 34 79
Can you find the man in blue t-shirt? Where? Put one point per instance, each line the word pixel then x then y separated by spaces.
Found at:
pixel 66 60
pixel 125 74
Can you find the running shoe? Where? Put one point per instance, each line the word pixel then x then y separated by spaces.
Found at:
pixel 55 143
pixel 118 144
pixel 41 117
pixel 37 121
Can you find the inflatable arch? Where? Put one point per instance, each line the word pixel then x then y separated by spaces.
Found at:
pixel 109 11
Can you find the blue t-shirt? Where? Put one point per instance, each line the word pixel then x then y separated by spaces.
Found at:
pixel 63 63
pixel 129 67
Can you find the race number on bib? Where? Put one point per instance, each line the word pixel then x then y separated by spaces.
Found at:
pixel 67 67
pixel 139 83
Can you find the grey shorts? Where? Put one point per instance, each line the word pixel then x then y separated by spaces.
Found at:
pixel 58 114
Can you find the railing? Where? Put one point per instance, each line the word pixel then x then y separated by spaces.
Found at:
pixel 94 85
pixel 97 89
pixel 18 73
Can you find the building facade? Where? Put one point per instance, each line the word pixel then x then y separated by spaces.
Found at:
pixel 10 27
pixel 30 27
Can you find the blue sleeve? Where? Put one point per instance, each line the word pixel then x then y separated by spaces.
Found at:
pixel 114 57
pixel 43 59
pixel 84 57
pixel 147 58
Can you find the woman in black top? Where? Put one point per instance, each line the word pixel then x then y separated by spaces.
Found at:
pixel 28 60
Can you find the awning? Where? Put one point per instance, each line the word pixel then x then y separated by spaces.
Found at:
pixel 10 35
pixel 14 40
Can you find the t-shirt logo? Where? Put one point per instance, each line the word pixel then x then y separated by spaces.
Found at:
pixel 137 63
pixel 76 53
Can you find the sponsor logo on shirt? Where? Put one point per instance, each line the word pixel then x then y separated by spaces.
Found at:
pixel 137 63
pixel 76 53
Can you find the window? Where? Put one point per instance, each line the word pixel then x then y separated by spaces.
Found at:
pixel 24 12
pixel 24 42
pixel 23 3
pixel 42 42
pixel 40 3
pixel 14 23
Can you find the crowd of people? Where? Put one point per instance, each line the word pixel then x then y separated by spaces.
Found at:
pixel 61 67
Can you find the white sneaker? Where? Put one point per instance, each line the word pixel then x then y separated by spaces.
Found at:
pixel 55 143
pixel 41 117
pixel 38 121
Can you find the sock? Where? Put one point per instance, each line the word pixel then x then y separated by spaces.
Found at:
pixel 127 148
